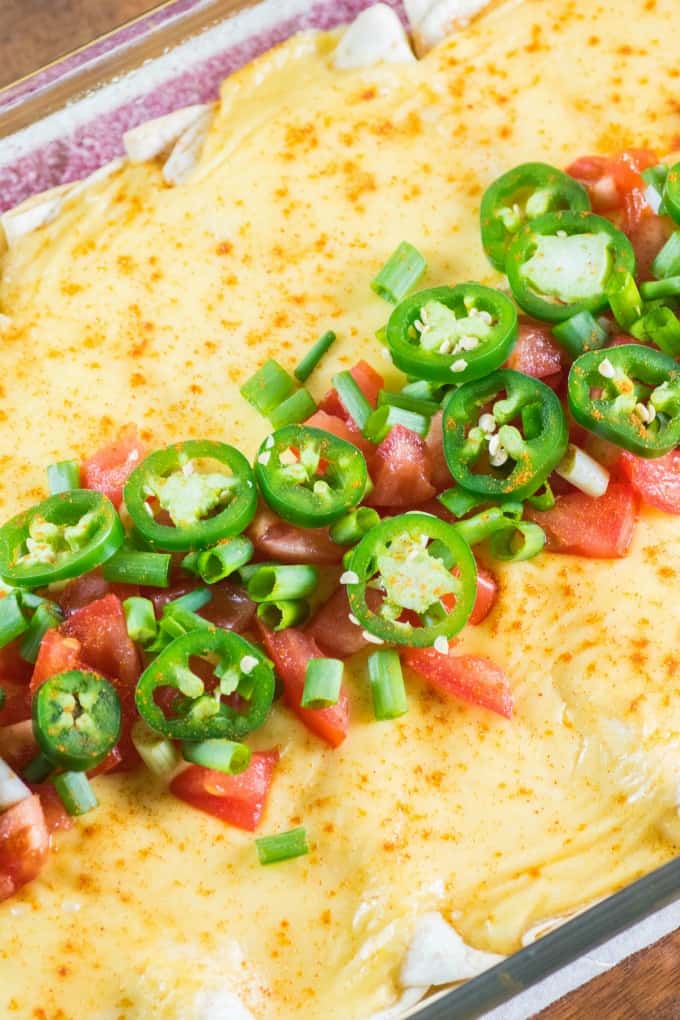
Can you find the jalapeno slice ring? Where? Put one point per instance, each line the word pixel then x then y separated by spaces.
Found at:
pixel 310 477
pixel 452 334
pixel 510 449
pixel 241 672
pixel 563 263
pixel 64 536
pixel 629 395
pixel 399 557
pixel 520 195
pixel 76 719
pixel 204 506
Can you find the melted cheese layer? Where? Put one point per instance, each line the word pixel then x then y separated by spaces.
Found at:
pixel 152 304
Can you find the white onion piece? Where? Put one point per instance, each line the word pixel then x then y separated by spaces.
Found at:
pixel 12 790
pixel 583 472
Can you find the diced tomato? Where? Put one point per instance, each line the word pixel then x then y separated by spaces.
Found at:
pixel 656 481
pixel 82 590
pixel 14 669
pixel 487 592
pixel 290 650
pixel 536 352
pixel 276 539
pixel 334 630
pixel 17 743
pixel 114 760
pixel 346 430
pixel 105 643
pixel 17 706
pixel 230 607
pixel 440 476
pixel 599 528
pixel 401 471
pixel 238 800
pixel 616 184
pixel 24 845
pixel 57 653
pixel 108 470
pixel 369 382
pixel 648 237
pixel 57 818
pixel 472 678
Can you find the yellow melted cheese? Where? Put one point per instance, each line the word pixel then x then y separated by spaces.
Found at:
pixel 152 304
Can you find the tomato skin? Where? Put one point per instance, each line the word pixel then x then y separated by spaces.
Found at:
pixel 487 592
pixel 276 539
pixel 57 654
pixel 56 817
pixel 440 476
pixel 290 650
pixel 401 471
pixel 346 430
pixel 369 382
pixel 599 528
pixel 14 669
pixel 471 678
pixel 24 845
pixel 536 352
pixel 333 629
pixel 109 468
pixel 106 646
pixel 238 800
pixel 657 481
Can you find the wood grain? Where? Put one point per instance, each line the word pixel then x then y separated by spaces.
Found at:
pixel 34 32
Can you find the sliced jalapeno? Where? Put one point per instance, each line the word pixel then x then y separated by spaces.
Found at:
pixel 76 719
pixel 204 505
pixel 504 434
pixel 452 334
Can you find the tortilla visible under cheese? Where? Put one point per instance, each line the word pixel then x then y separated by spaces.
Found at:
pixel 145 303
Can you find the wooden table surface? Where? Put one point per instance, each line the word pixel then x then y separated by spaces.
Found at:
pixel 33 32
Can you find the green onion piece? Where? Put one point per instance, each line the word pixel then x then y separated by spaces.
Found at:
pixel 3 697
pixel 354 525
pixel 274 582
pixel 246 572
pixel 668 287
pixel 63 476
pixel 323 680
pixel 13 620
pixel 667 262
pixel 384 418
pixel 401 272
pixel 543 499
pixel 314 356
pixel 387 685
pixel 213 565
pixel 151 569
pixel 419 405
pixel 268 387
pixel 521 541
pixel 158 753
pixel 37 770
pixel 47 616
pixel 29 599
pixel 226 756
pixel 75 792
pixel 581 333
pixel 660 325
pixel 655 179
pixel 624 299
pixel 284 614
pixel 140 619
pixel 283 846
pixel 293 410
pixel 352 399
pixel 483 525
pixel 459 502
pixel 424 390
pixel 193 600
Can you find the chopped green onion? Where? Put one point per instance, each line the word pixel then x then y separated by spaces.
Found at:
pixel 387 685
pixel 668 287
pixel 275 582
pixel 246 572
pixel 29 599
pixel 140 619
pixel 297 408
pixel 655 179
pixel 583 472
pixel 175 622
pixel 193 600
pixel 268 387
pixel 75 792
pixel 314 356
pixel 660 325
pixel 483 525
pixel 424 390
pixel 3 696
pixel 581 333
pixel 158 753
pixel 624 299
pixel 401 272
pixel 47 616
pixel 520 541
pixel 323 680
pixel 408 402
pixel 459 502
pixel 384 418
pixel 37 770
pixel 354 525
pixel 63 476
pixel 226 756
pixel 543 498
pixel 151 569
pixel 667 262
pixel 352 399
pixel 213 565
pixel 283 846
pixel 284 614
pixel 13 620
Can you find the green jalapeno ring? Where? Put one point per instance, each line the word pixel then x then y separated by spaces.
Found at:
pixel 76 719
pixel 620 259
pixel 362 561
pixel 207 531
pixel 402 334
pixel 510 200
pixel 295 492
pixel 104 535
pixel 242 668
pixel 534 454
pixel 640 378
